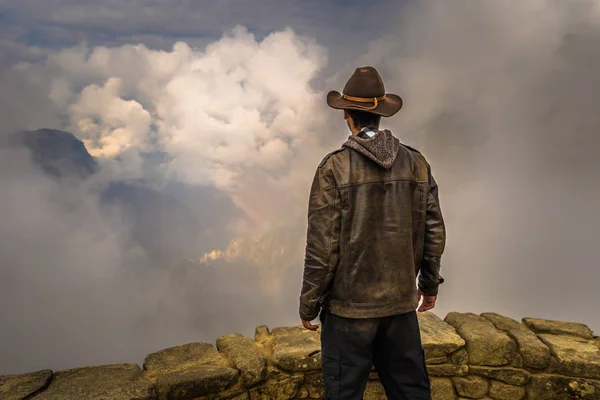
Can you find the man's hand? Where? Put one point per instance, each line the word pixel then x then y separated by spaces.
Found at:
pixel 308 325
pixel 428 302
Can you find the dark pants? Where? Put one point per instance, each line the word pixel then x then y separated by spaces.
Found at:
pixel 393 344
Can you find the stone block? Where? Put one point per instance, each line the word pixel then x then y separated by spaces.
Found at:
pixel 486 345
pixel 501 322
pixel 115 382
pixel 502 391
pixel 261 333
pixel 460 357
pixel 297 349
pixel 534 353
pixel 191 383
pixel 245 356
pixel 264 340
pixel 315 385
pixel 472 386
pixel 439 339
pixel 184 357
pixel 374 391
pixel 303 392
pixel 283 389
pixel 442 389
pixel 556 387
pixel 512 376
pixel 21 386
pixel 576 356
pixel 558 327
pixel 436 360
pixel 447 370
pixel 466 398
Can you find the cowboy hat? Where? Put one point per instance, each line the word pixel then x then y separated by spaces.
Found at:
pixel 364 91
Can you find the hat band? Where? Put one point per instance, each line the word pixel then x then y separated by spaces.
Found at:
pixel 374 100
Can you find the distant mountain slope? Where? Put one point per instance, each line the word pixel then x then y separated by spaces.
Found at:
pixel 58 153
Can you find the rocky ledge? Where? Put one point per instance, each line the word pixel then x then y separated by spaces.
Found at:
pixel 469 356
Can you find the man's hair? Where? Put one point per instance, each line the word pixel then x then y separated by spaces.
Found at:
pixel 364 119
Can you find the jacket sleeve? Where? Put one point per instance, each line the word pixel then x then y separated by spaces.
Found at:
pixel 435 241
pixel 322 243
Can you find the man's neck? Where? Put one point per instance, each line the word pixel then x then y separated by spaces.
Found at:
pixel 369 131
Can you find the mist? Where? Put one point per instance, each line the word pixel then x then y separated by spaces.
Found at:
pixel 500 97
pixel 507 119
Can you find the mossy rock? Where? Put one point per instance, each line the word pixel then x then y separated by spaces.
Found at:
pixel 196 382
pixel 245 356
pixel 438 338
pixel 576 356
pixel 503 391
pixel 556 387
pixel 555 327
pixel 442 389
pixel 296 349
pixel 21 386
pixel 512 376
pixel 472 386
pixel 486 345
pixel 183 358
pixel 115 382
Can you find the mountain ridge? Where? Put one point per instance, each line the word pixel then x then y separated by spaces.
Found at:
pixel 58 153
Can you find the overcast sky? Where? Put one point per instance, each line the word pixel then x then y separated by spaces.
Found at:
pixel 501 97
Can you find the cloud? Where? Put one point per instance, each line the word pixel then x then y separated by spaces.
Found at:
pixel 225 114
pixel 77 289
pixel 193 17
pixel 500 97
pixel 59 258
pixel 237 116
pixel 123 122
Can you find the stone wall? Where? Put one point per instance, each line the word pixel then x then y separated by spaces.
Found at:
pixel 485 356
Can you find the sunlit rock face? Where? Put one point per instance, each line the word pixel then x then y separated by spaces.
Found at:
pixel 270 252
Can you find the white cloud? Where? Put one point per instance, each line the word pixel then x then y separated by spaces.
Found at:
pixel 237 109
pixel 107 124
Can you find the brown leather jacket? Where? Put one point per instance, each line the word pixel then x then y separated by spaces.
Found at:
pixel 374 225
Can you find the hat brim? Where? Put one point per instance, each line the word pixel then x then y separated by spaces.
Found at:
pixel 386 108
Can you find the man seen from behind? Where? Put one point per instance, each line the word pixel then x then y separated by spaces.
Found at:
pixel 374 243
